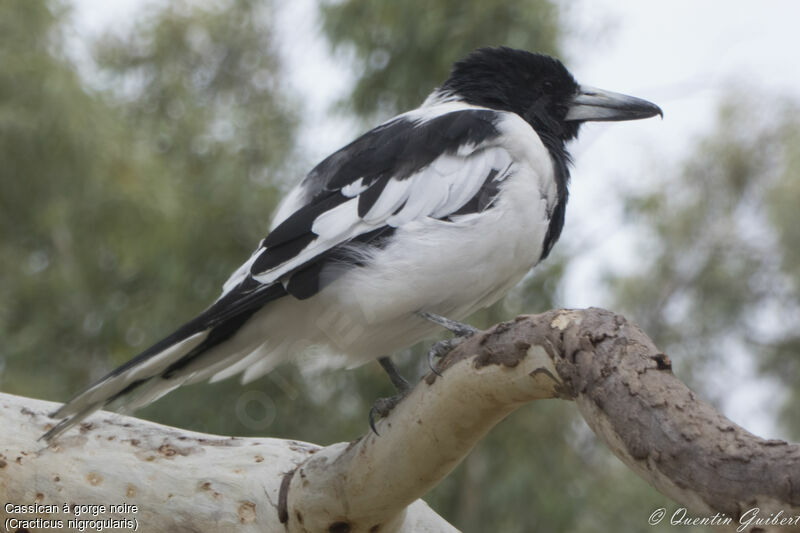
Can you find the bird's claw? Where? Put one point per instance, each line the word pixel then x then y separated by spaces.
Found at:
pixel 382 407
pixel 432 355
pixel 440 349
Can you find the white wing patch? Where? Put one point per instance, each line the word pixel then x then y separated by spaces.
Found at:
pixel 436 191
pixel 355 188
pixel 337 222
pixel 390 200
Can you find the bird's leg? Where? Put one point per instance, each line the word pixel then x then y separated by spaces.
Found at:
pixel 383 406
pixel 440 349
pixel 400 383
pixel 459 329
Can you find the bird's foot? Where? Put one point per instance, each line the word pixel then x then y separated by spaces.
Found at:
pixel 440 349
pixel 383 406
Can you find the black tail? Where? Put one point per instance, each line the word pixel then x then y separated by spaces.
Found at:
pixel 157 370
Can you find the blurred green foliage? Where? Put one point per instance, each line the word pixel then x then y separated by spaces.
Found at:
pixel 122 210
pixel 401 51
pixel 126 200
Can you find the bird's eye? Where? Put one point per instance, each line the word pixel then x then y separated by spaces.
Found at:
pixel 548 85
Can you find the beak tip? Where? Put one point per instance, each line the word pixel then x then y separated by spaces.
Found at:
pixel 659 112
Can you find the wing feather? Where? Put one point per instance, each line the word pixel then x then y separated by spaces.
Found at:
pixel 408 169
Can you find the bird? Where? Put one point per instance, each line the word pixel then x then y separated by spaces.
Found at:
pixel 414 225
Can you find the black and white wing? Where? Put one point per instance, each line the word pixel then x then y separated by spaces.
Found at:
pixel 444 167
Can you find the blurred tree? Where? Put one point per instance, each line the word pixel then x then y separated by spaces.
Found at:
pixel 720 271
pixel 403 50
pixel 60 149
pixel 122 210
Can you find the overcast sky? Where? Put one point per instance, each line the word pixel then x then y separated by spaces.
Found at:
pixel 684 55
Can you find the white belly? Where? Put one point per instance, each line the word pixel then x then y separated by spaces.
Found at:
pixel 448 268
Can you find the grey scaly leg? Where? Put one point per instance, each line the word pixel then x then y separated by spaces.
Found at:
pixel 383 406
pixel 440 349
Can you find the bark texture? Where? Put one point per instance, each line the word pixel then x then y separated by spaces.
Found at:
pixel 622 384
pixel 627 393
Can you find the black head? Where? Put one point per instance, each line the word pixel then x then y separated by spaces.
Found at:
pixel 540 90
pixel 536 87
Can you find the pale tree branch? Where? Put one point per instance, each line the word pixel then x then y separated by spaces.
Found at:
pixel 622 384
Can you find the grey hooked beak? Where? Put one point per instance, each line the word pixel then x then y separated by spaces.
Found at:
pixel 600 105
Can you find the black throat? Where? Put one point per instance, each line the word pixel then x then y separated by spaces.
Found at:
pixel 561 161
